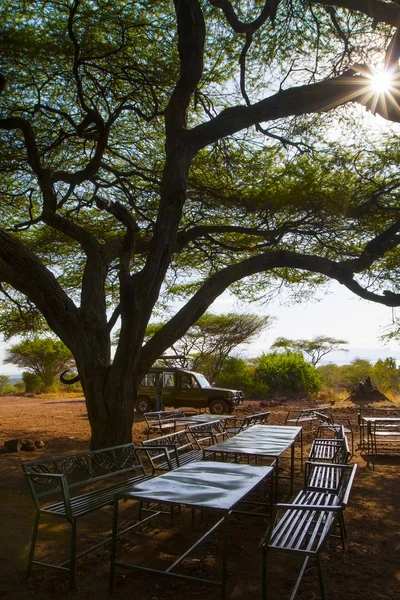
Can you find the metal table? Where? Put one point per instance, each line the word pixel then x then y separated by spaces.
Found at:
pixel 373 427
pixel 270 441
pixel 215 486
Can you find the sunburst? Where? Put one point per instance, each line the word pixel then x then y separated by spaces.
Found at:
pixel 381 82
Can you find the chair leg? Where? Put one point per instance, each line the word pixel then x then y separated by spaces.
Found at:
pixel 33 543
pixel 343 532
pixel 320 578
pixel 264 568
pixel 72 555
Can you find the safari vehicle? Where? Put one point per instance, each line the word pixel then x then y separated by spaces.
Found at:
pixel 185 388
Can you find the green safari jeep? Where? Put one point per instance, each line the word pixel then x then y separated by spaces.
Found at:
pixel 185 388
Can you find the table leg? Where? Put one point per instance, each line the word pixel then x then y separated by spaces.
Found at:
pixel 301 449
pixel 292 467
pixel 113 546
pixel 224 557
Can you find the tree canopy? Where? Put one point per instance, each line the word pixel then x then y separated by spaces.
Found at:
pixel 44 357
pixel 314 349
pixel 168 149
pixel 208 342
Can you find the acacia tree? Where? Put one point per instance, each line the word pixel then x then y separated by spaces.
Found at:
pixel 315 349
pixel 208 342
pixel 44 357
pixel 178 147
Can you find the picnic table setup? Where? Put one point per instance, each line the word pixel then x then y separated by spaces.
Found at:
pixel 203 464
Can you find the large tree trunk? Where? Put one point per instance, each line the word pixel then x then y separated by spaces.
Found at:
pixel 110 398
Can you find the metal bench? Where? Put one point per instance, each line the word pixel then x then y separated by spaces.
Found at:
pixel 305 525
pixel 256 419
pixel 163 421
pixel 79 483
pixel 172 451
pixel 334 450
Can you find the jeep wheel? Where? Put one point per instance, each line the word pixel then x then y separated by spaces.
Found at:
pixel 218 406
pixel 143 405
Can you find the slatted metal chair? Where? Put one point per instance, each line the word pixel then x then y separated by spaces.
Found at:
pixel 172 451
pixel 331 450
pixel 304 526
pixel 242 424
pixel 328 424
pixel 209 433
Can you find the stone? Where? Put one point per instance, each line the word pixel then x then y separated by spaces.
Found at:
pixel 13 445
pixel 28 445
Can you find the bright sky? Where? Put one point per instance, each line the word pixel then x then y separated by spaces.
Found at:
pixel 338 314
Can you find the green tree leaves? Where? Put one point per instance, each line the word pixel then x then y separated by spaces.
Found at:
pixel 46 358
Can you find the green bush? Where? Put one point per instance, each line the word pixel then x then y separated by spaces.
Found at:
pixel 33 383
pixel 332 377
pixel 287 373
pixel 386 376
pixel 19 386
pixel 9 389
pixel 4 382
pixel 236 374
pixel 259 391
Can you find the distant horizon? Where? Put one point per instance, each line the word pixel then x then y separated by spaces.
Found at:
pixel 337 358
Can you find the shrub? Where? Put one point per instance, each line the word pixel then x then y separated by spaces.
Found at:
pixel 4 381
pixel 19 386
pixel 386 376
pixel 9 389
pixel 259 391
pixel 287 374
pixel 236 374
pixel 33 383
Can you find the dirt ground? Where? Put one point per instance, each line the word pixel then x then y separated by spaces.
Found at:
pixel 369 568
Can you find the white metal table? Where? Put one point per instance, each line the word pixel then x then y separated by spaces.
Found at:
pixel 215 486
pixel 270 441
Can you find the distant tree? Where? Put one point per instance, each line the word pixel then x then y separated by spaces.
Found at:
pixel 386 376
pixel 4 381
pixel 287 374
pixel 208 342
pixel 46 358
pixel 32 382
pixel 315 349
pixel 345 377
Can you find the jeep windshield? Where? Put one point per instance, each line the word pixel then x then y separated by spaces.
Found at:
pixel 202 380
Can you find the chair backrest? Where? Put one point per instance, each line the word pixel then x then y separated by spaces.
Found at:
pixel 260 418
pixel 300 415
pixel 81 469
pixel 256 419
pixel 333 478
pixel 324 418
pixel 170 446
pixel 331 450
pixel 209 433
